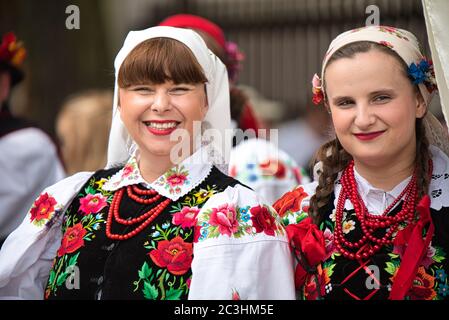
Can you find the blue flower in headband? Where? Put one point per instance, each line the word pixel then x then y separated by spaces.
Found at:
pixel 419 73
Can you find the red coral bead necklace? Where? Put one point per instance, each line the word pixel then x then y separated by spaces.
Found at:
pixel 141 196
pixel 369 244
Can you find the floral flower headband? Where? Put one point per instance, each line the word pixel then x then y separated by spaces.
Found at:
pixel 11 51
pixel 404 43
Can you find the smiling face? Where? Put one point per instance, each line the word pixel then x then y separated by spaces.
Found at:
pixel 151 112
pixel 162 88
pixel 374 107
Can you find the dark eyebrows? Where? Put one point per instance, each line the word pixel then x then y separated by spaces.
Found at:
pixel 342 98
pixel 382 91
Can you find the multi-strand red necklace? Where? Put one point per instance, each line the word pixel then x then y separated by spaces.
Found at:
pixel 142 196
pixel 369 244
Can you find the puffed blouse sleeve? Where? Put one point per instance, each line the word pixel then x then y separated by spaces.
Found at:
pixel 241 250
pixel 27 254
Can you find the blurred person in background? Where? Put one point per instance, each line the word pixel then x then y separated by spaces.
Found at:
pixel 29 159
pixel 303 136
pixel 82 128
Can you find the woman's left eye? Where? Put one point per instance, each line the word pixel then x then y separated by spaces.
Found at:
pixel 382 98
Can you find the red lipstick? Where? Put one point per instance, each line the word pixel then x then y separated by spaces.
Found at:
pixel 369 135
pixel 161 131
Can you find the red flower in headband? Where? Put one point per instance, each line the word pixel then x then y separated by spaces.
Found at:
pixel 317 90
pixel 11 51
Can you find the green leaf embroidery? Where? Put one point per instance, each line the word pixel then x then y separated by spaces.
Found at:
pixel 52 276
pixel 61 279
pixel 393 255
pixel 439 256
pixel 239 233
pixel 149 291
pixel 173 294
pixel 90 190
pixel 330 270
pixel 391 268
pixel 145 272
pixel 73 259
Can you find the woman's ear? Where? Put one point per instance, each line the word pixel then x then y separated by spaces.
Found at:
pixel 421 106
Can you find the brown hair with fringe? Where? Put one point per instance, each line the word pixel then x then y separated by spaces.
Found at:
pixel 159 60
pixel 335 158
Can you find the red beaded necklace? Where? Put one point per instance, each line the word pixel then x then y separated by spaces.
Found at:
pixel 134 193
pixel 369 244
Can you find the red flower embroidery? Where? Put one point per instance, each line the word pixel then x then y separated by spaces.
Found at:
pixel 127 170
pixel 273 167
pixel 386 44
pixel 43 207
pixel 175 255
pixel 263 220
pixel 225 218
pixel 176 179
pixel 92 203
pixel 291 201
pixel 235 295
pixel 72 240
pixel 186 218
pixel 196 233
pixel 422 287
pixel 316 284
pixel 233 171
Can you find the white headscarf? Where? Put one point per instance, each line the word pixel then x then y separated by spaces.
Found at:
pixel 218 116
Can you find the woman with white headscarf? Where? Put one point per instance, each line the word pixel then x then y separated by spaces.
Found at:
pixel 161 221
pixel 375 224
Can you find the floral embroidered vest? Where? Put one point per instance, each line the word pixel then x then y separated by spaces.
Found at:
pixel 155 264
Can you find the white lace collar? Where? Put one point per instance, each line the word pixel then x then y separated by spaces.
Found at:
pixel 173 184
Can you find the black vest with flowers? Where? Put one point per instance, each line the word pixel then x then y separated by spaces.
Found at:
pixel 155 264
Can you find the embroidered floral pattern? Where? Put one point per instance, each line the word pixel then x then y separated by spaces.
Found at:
pixel 386 44
pixel 290 203
pixel 175 255
pixel 78 230
pixel 43 209
pixel 72 239
pixel 225 219
pixel 430 283
pixel 273 167
pixel 236 222
pixel 263 221
pixel 92 203
pixel 174 179
pixel 186 218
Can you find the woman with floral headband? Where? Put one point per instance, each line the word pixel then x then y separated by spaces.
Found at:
pixel 161 221
pixel 375 225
